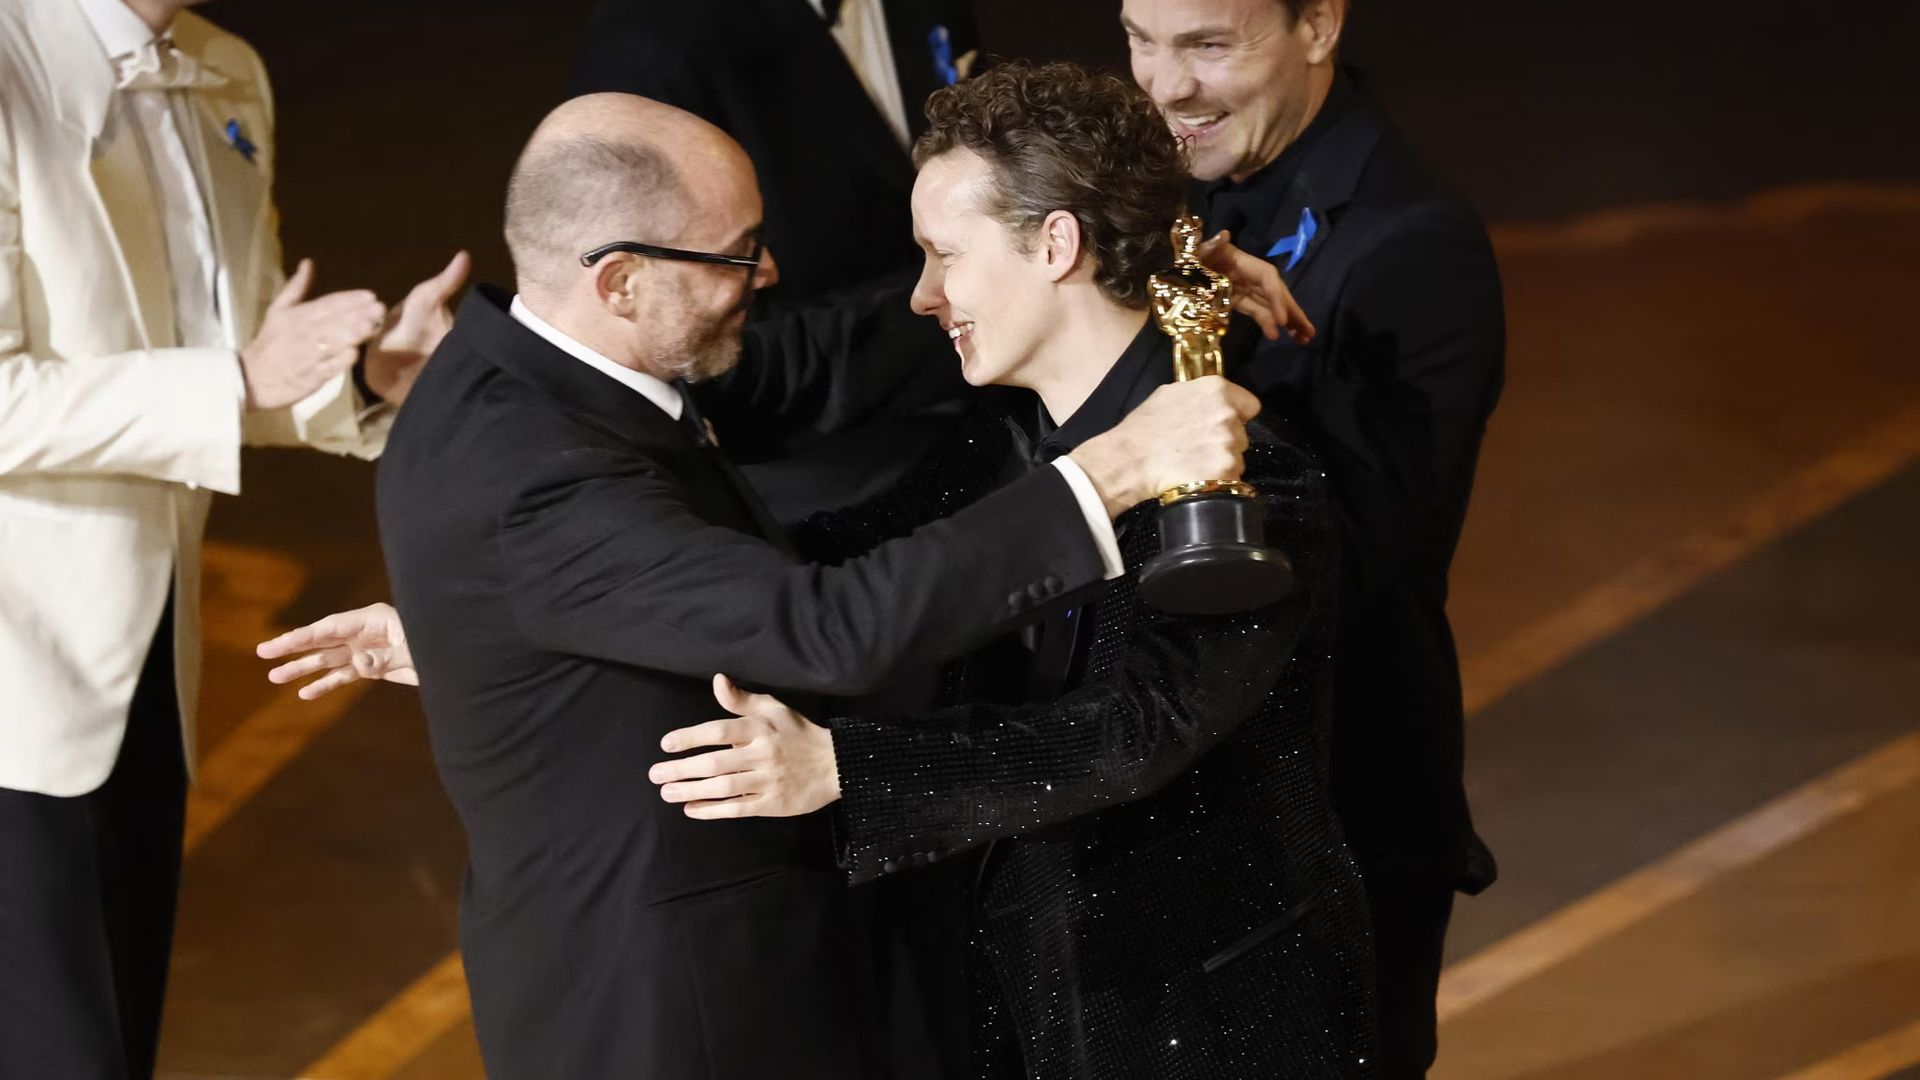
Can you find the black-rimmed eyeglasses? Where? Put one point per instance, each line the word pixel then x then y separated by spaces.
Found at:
pixel 750 261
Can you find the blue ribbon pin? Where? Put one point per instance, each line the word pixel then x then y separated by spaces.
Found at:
pixel 239 141
pixel 942 44
pixel 1295 246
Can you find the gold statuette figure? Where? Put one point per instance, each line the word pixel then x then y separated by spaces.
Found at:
pixel 1213 559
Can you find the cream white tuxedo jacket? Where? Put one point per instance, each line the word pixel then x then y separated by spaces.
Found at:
pixel 110 441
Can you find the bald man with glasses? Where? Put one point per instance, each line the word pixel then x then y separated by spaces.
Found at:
pixel 574 558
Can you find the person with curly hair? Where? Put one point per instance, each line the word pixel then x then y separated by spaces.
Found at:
pixel 1167 893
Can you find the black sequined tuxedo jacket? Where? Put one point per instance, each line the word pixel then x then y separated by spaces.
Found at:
pixel 1168 895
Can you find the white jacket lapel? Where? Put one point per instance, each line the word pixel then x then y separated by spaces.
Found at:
pixel 84 101
pixel 237 205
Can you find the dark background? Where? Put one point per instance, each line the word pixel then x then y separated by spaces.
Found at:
pixel 1536 109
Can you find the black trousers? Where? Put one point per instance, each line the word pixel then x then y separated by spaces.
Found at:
pixel 1410 914
pixel 88 887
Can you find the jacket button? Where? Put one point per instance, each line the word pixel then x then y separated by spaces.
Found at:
pixel 1037 591
pixel 1016 601
pixel 1053 584
pixel 888 866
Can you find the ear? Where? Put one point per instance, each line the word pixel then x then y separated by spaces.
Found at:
pixel 1060 244
pixel 1322 20
pixel 616 283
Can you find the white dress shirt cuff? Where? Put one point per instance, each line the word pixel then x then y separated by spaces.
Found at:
pixel 1095 510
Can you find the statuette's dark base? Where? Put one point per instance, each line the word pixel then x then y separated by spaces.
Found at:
pixel 1213 558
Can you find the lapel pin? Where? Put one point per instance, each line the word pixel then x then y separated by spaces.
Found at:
pixel 1295 247
pixel 239 141
pixel 942 44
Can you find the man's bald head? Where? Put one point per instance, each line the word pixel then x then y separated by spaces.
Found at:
pixel 607 167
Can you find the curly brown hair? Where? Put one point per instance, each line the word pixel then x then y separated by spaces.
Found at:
pixel 1057 136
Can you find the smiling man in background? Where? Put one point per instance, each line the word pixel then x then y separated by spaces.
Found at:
pixel 1291 154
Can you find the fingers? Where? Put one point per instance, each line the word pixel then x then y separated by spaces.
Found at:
pixel 372 663
pixel 713 787
pixel 1240 399
pixel 740 702
pixel 699 766
pixel 729 731
pixel 307 665
pixel 1295 317
pixel 328 683
pixel 336 629
pixel 744 806
pixel 441 287
pixel 1254 306
pixel 730 697
pixel 296 287
pixel 342 318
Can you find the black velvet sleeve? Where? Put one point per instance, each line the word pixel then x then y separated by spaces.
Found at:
pixel 917 788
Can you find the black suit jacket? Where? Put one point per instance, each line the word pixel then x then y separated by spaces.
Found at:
pixel 572 569
pixel 1394 393
pixel 768 72
pixel 1169 898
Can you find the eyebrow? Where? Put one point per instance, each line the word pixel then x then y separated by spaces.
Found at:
pixel 747 234
pixel 1188 37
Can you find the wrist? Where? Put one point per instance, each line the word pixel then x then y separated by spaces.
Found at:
pixel 1111 472
pixel 371 387
pixel 832 783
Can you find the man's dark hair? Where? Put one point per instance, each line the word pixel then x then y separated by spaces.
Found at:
pixel 1059 137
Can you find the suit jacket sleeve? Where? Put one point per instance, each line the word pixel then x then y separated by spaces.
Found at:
pixel 914 789
pixel 828 367
pixel 1424 345
pixel 169 414
pixel 604 560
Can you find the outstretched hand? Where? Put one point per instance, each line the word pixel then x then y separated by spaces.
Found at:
pixel 777 763
pixel 366 643
pixel 1259 292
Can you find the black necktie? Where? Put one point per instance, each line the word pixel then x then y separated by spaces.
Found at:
pixel 701 433
pixel 830 11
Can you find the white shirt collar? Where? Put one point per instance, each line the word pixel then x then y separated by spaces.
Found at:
pixel 655 390
pixel 120 31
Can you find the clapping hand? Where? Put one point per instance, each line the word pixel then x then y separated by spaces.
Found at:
pixel 302 343
pixel 417 325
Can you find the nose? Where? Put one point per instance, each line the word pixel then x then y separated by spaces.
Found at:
pixel 767 274
pixel 1166 77
pixel 927 298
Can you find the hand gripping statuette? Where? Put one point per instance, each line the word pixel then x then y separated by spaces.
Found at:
pixel 1213 556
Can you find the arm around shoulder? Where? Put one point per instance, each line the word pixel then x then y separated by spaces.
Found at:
pixel 606 560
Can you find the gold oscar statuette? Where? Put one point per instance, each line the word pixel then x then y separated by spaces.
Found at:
pixel 1213 557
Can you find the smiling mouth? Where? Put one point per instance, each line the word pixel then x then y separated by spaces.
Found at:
pixel 1196 125
pixel 958 333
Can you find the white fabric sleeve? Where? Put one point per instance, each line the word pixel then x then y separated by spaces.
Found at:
pixel 1095 510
